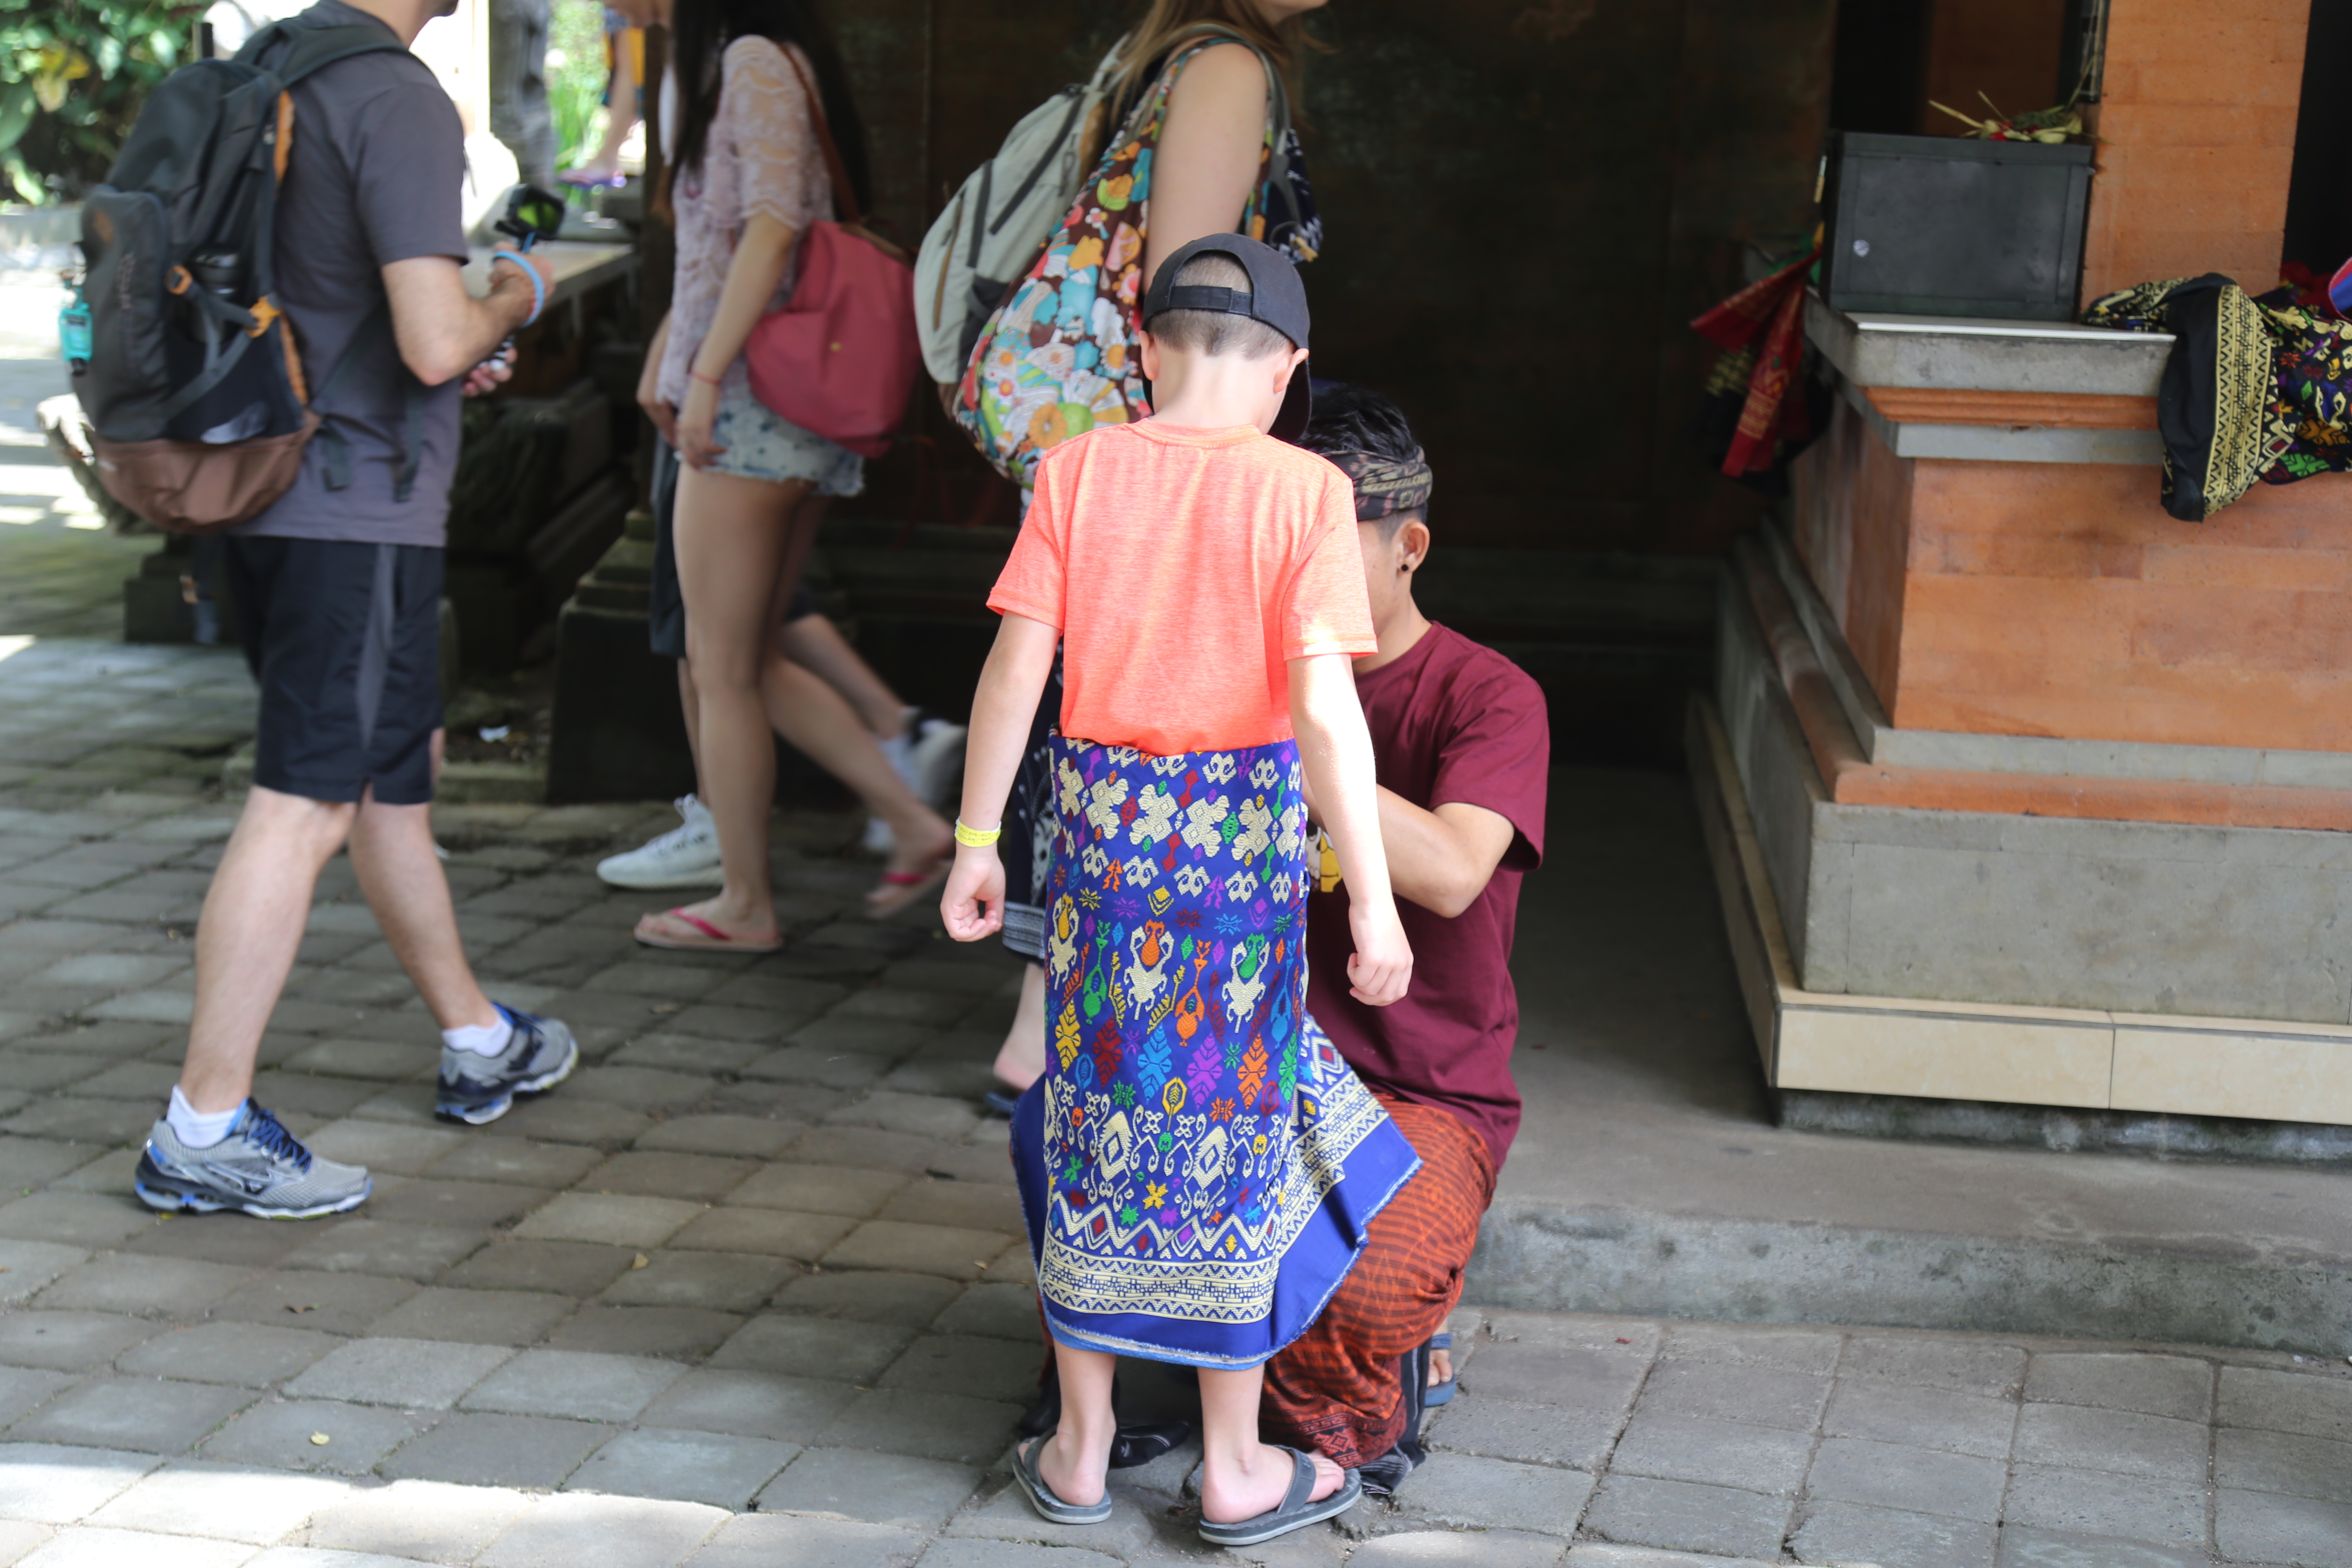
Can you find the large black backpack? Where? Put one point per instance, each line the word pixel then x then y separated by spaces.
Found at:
pixel 193 387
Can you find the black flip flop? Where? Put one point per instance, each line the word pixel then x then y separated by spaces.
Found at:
pixel 1437 1394
pixel 1051 1509
pixel 1294 1512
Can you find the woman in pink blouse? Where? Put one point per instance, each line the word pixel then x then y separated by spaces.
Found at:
pixel 747 178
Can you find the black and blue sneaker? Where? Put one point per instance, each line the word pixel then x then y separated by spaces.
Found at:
pixel 259 1169
pixel 477 1089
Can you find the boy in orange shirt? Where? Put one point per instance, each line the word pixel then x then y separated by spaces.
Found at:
pixel 1197 1173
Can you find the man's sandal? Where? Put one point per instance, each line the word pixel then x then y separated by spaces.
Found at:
pixel 1051 1509
pixel 1294 1512
pixel 1436 1393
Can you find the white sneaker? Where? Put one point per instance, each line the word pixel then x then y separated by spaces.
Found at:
pixel 685 857
pixel 935 762
pixel 928 754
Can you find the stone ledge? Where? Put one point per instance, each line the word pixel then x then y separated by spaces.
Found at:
pixel 1978 441
pixel 1872 349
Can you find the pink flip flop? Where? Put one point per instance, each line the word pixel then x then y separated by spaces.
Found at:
pixel 898 890
pixel 713 939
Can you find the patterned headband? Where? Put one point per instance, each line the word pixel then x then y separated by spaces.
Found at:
pixel 1385 486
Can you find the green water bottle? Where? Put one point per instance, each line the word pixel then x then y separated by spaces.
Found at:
pixel 73 334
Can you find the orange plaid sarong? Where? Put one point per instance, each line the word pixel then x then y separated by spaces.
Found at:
pixel 1339 1387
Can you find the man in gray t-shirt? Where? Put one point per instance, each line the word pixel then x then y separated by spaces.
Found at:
pixel 338 588
pixel 379 167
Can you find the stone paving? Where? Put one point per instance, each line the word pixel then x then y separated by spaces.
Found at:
pixel 748 1292
pixel 60 572
pixel 749 1286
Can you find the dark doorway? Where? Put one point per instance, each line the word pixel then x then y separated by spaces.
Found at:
pixel 1894 57
pixel 1875 85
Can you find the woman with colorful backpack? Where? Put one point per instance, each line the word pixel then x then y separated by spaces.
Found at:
pixel 1202 143
pixel 764 144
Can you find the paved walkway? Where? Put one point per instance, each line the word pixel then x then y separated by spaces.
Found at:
pixel 748 1289
pixel 761 1254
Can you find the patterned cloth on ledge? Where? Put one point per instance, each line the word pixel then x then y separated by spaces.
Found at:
pixel 2256 388
pixel 1199 1167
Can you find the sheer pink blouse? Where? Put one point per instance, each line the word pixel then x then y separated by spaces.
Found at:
pixel 761 156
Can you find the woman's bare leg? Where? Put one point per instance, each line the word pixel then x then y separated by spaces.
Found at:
pixel 739 552
pixel 816 644
pixel 811 714
pixel 688 704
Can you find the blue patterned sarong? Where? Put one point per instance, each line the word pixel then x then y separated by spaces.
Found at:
pixel 1198 1167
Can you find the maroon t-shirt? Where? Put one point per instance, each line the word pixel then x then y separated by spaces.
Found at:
pixel 1451 721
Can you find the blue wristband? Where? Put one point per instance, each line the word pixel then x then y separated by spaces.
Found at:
pixel 538 287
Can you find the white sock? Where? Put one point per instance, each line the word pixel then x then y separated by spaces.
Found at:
pixel 197 1129
pixel 482 1039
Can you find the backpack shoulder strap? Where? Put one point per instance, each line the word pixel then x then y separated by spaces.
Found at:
pixel 292 50
pixel 845 195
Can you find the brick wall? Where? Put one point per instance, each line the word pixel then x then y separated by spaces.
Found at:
pixel 1852 510
pixel 2059 599
pixel 2196 128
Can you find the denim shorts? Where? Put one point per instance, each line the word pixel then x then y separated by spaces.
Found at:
pixel 763 445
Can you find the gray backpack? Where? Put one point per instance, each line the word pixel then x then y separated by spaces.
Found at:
pixel 990 235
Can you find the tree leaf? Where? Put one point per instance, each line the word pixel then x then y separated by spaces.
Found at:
pixel 29 190
pixel 16 113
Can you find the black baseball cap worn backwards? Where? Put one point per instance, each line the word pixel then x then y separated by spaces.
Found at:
pixel 1276 296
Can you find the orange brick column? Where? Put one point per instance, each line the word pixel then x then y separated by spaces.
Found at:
pixel 2196 127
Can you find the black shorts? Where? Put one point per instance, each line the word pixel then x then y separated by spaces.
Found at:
pixel 666 604
pixel 345 640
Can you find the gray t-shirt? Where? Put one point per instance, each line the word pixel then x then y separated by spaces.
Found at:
pixel 376 176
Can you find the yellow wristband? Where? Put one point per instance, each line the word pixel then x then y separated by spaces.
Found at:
pixel 973 837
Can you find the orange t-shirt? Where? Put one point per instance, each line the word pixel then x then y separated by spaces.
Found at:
pixel 1183 569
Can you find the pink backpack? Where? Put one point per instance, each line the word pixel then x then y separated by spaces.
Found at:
pixel 840 357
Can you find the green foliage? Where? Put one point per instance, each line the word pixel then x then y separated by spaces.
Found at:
pixel 575 87
pixel 72 76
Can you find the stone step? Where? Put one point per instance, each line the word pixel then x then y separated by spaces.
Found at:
pixel 1650 1174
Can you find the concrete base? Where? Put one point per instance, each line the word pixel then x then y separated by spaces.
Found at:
pixel 1960 1050
pixel 2139 917
pixel 1649 1175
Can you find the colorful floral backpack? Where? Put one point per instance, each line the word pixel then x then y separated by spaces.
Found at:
pixel 1060 357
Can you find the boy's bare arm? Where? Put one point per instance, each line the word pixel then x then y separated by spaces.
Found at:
pixel 973 904
pixel 1336 750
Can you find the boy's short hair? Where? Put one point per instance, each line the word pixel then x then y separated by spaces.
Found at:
pixel 1216 331
pixel 1367 436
